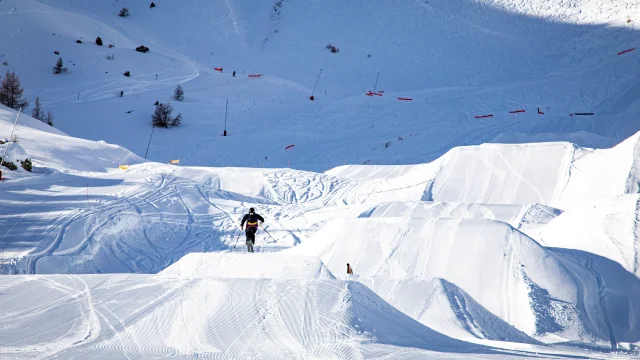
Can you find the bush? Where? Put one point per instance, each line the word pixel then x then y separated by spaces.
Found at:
pixel 332 48
pixel 142 49
pixel 178 94
pixel 59 67
pixel 162 116
pixel 110 56
pixel 79 41
pixel 152 5
pixel 27 164
pixel 5 63
pixel 8 164
pixel 98 41
pixel 127 73
pixel 124 12
pixel 57 52
pixel 111 46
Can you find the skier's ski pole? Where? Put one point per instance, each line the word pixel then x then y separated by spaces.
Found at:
pixel 237 238
pixel 265 230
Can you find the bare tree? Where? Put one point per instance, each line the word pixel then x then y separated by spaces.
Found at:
pixel 11 92
pixel 36 112
pixel 49 118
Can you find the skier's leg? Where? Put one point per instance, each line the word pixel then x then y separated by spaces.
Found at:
pixel 253 237
pixel 248 241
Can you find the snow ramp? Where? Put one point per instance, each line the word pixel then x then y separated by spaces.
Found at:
pixel 505 271
pixel 213 319
pixel 445 308
pixel 503 174
pixel 246 266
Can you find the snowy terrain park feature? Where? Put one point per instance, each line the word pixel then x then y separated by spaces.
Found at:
pixel 475 162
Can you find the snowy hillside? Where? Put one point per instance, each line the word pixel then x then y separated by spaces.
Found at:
pixel 456 60
pixel 470 236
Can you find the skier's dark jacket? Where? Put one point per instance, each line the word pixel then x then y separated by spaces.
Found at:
pixel 252 220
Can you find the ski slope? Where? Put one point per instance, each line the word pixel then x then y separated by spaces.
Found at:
pixel 456 60
pixel 514 235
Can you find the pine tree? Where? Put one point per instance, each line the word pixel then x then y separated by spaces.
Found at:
pixel 162 115
pixel 178 94
pixel 36 112
pixel 99 41
pixel 59 66
pixel 11 92
pixel 48 119
pixel 176 121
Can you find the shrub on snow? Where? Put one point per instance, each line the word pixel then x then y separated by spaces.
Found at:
pixel 178 94
pixel 162 116
pixel 59 66
pixel 142 49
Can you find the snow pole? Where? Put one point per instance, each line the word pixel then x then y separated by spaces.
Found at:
pixel 265 230
pixel 226 107
pixel 11 136
pixel 237 238
pixel 314 87
pixel 376 84
pixel 149 144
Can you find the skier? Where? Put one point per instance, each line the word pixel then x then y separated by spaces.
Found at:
pixel 253 220
pixel 349 269
pixel 121 93
pixel 234 73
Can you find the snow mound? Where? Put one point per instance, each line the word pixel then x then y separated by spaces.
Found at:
pixel 511 214
pixel 248 266
pixel 445 308
pixel 223 318
pixel 559 174
pixel 50 148
pixel 505 271
pixel 609 227
pixel 504 174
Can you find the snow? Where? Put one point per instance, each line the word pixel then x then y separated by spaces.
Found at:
pixel 514 235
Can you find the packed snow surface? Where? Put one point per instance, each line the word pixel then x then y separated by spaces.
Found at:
pixel 515 235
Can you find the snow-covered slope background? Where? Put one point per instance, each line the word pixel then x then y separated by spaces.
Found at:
pixel 470 238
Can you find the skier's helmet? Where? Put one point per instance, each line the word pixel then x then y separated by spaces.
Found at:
pixel 252 210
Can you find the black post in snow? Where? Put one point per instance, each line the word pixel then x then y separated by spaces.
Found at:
pixel 314 87
pixel 376 85
pixel 149 144
pixel 226 107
